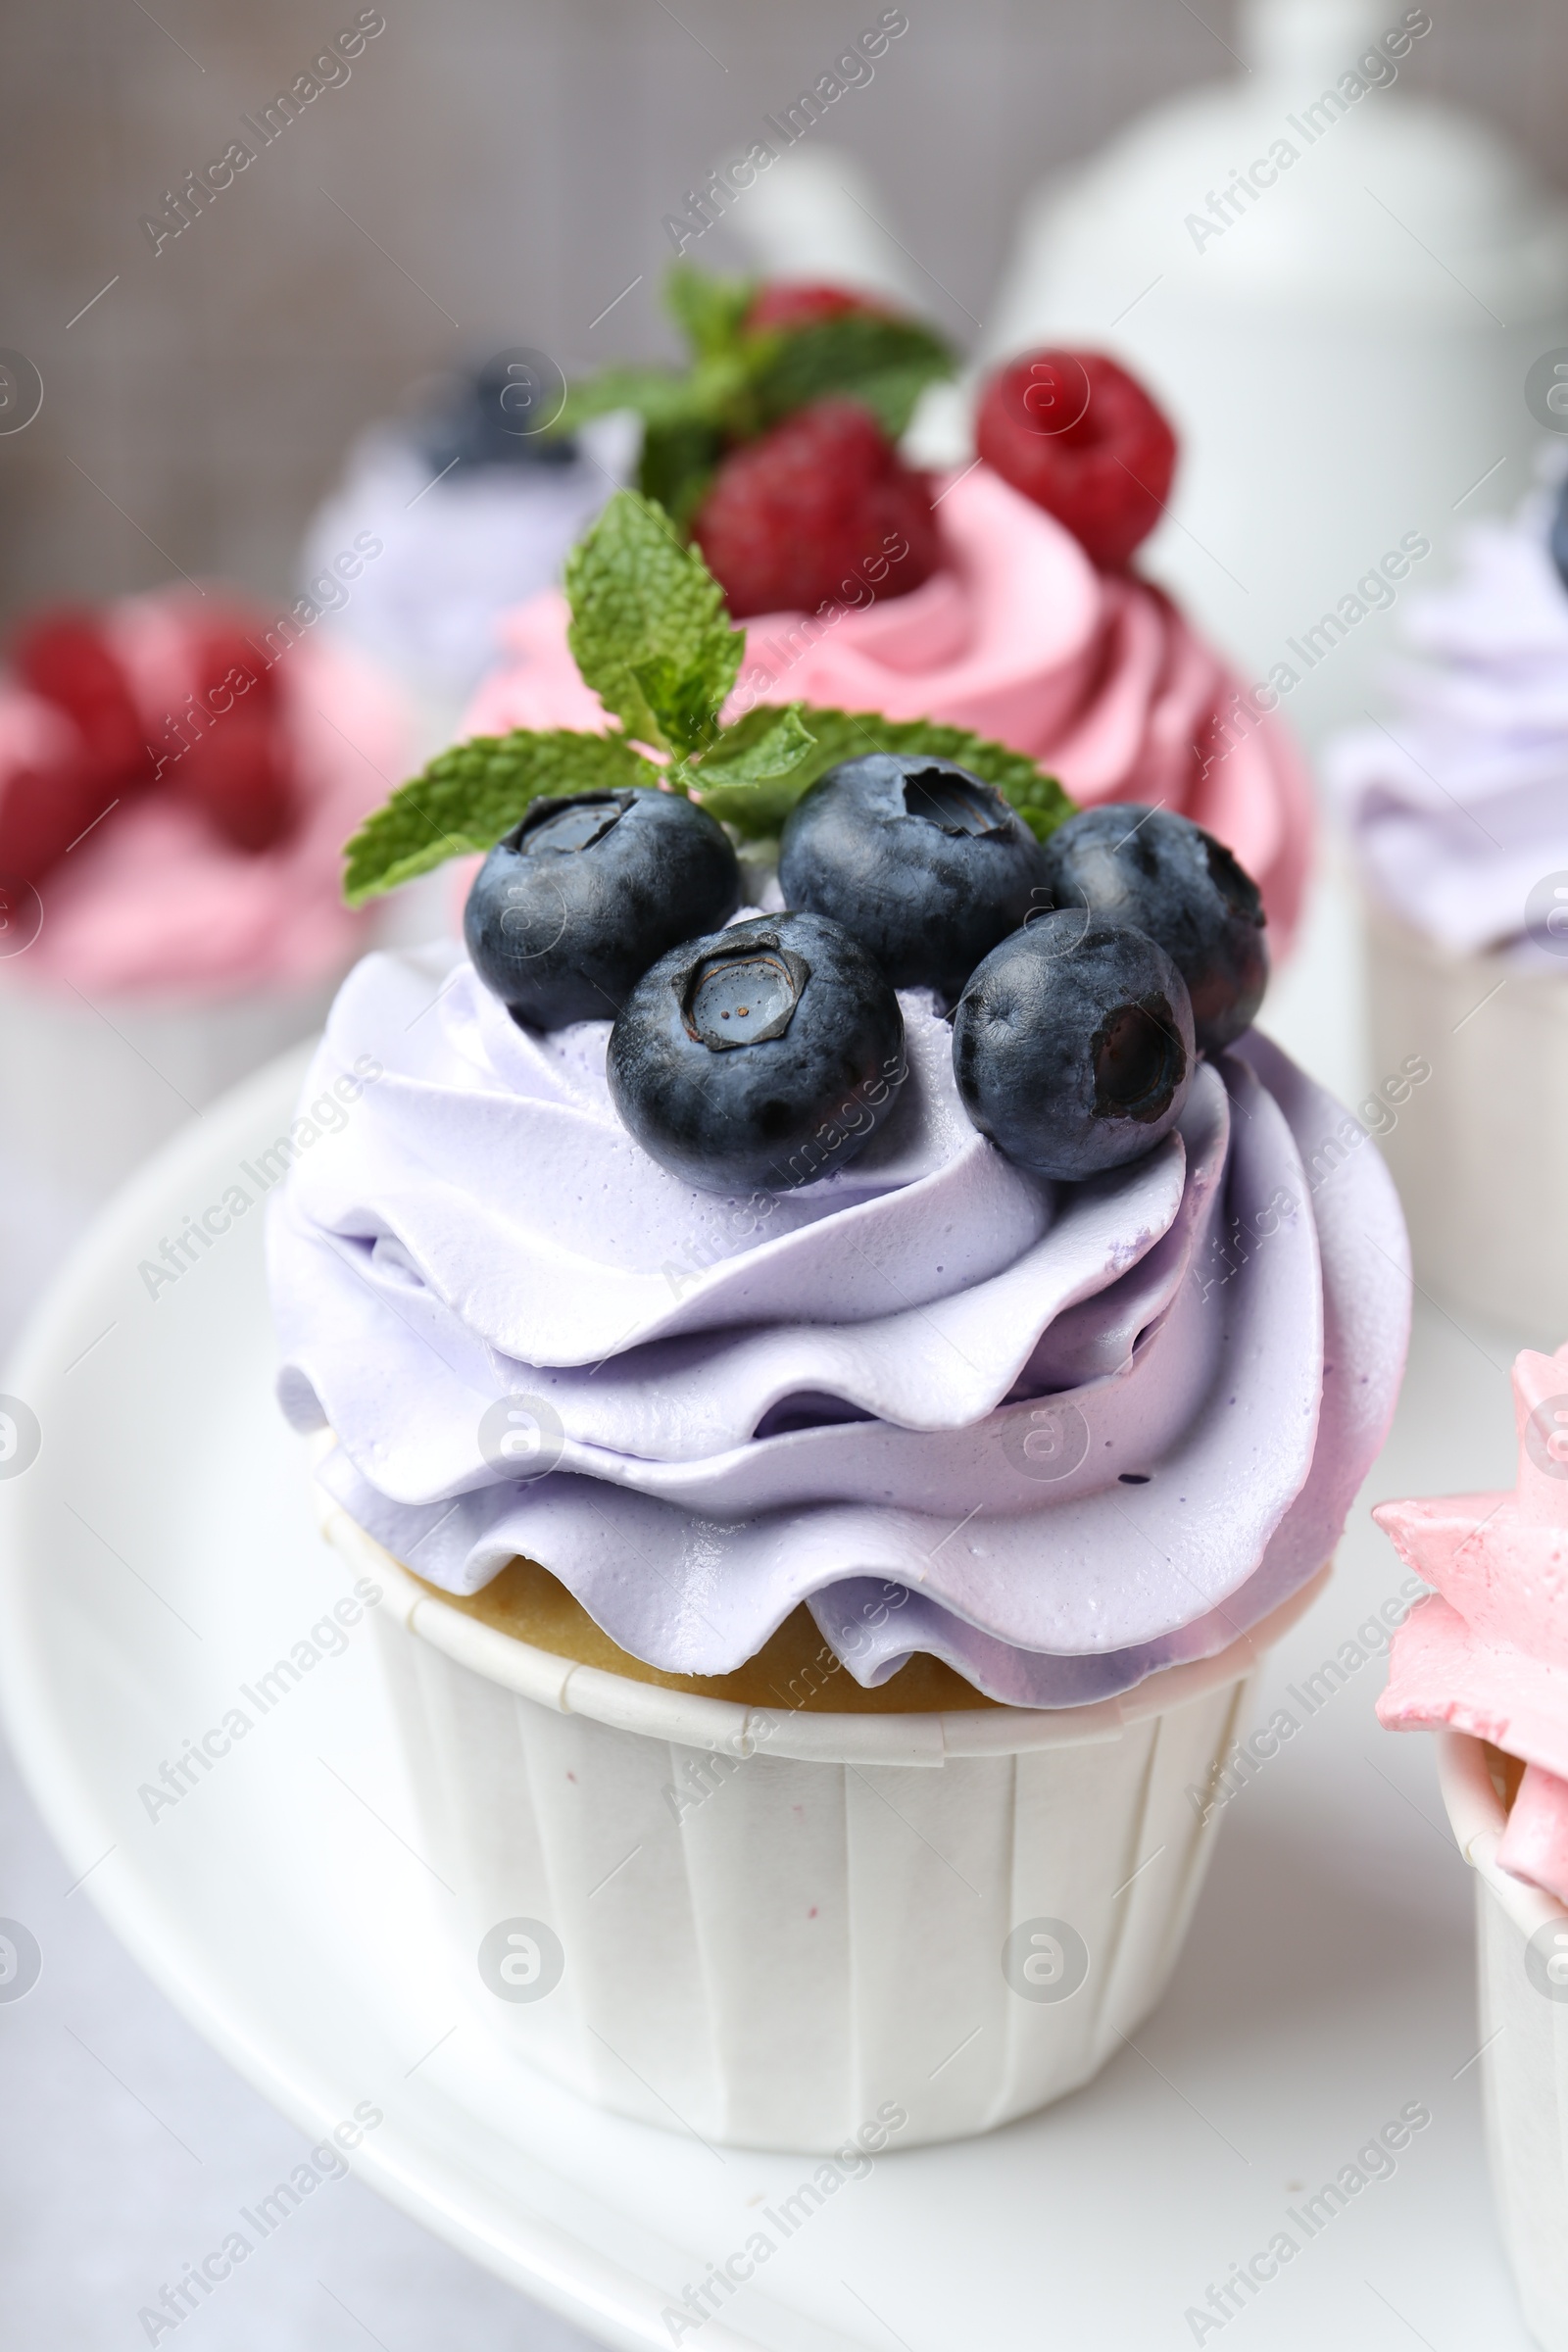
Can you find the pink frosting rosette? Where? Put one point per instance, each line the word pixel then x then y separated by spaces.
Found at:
pixel 153 898
pixel 1096 675
pixel 1486 1653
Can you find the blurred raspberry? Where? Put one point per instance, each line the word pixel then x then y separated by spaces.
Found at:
pixel 63 658
pixel 85 760
pixel 813 510
pixel 46 806
pixel 225 655
pixel 237 771
pixel 1082 438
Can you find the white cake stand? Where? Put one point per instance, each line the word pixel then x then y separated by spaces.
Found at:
pixel 157 1559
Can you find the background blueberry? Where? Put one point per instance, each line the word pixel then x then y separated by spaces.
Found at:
pixel 1161 875
pixel 1072 1046
pixel 495 416
pixel 568 911
pixel 760 1058
pixel 927 865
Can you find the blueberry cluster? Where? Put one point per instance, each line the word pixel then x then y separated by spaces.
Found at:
pixel 1083 976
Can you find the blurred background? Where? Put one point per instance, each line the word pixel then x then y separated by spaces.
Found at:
pixel 474 177
pixel 496 175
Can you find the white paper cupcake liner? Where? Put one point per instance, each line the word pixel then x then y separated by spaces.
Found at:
pixel 774 1929
pixel 1522 1939
pixel 1479 1149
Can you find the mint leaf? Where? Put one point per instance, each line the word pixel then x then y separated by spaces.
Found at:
pixel 677 464
pixel 709 310
pixel 759 810
pixel 893 394
pixel 660 396
pixel 468 797
pixel 681 700
pixel 885 364
pixel 649 630
pixel 747 756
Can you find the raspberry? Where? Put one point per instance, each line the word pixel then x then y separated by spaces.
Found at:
pixel 43 810
pixel 48 804
pixel 789 304
pixel 237 771
pixel 225 656
pixel 1082 438
pixel 239 775
pixel 63 656
pixel 792 521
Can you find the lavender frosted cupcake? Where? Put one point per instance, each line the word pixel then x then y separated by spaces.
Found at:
pixel 1459 817
pixel 715 1514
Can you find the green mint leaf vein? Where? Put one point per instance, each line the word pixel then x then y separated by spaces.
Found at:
pixel 743 758
pixel 469 796
pixel 650 632
pixel 681 700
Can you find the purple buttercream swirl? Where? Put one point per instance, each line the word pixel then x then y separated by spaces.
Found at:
pixel 1058 1434
pixel 1455 795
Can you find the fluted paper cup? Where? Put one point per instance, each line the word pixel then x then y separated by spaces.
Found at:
pixel 1478 1147
pixel 1522 1952
pixel 791 1930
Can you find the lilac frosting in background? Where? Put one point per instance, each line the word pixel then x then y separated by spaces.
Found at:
pixel 459 549
pixel 1457 794
pixel 1058 1435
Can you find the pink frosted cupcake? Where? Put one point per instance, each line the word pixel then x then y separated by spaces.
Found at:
pixel 176 775
pixel 999 600
pixel 1484 1661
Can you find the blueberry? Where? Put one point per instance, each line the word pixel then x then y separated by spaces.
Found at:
pixel 760 1058
pixel 495 416
pixel 568 911
pixel 1072 1046
pixel 921 860
pixel 1164 875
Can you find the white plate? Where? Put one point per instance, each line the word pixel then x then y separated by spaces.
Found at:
pixel 158 1555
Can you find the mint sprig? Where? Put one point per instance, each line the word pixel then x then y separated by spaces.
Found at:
pixel 650 635
pixel 740 382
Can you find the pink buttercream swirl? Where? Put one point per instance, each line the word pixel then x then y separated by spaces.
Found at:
pixel 155 901
pixel 1488 1652
pixel 1096 675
